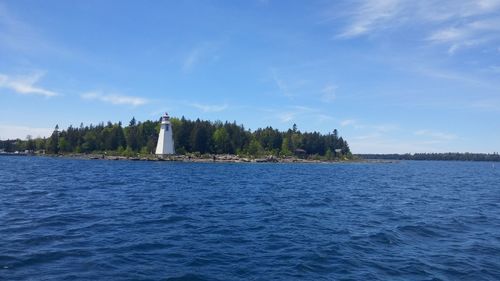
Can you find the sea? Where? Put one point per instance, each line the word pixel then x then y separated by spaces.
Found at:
pixel 71 219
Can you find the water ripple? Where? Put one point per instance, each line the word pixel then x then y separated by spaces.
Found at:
pixel 75 219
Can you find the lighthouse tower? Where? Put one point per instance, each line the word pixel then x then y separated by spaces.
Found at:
pixel 165 139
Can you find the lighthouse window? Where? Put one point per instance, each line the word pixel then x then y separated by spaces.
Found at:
pixel 166 127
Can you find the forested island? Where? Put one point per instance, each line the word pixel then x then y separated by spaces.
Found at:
pixel 193 137
pixel 451 156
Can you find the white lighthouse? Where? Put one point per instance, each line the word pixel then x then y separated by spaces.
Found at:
pixel 165 139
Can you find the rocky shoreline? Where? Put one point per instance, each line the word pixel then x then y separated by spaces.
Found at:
pixel 218 158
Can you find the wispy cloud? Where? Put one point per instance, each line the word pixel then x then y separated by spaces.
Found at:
pixel 369 16
pixel 209 107
pixel 385 128
pixel 25 85
pixel 206 51
pixel 191 59
pixel 290 113
pixel 281 84
pixel 453 75
pixel 329 93
pixel 458 24
pixel 467 34
pixel 15 34
pixel 385 144
pixel 114 98
pixel 321 117
pixel 347 122
pixel 24 38
pixel 20 132
pixel 382 141
pixel 285 117
pixel 441 136
pixel 367 127
pixel 289 87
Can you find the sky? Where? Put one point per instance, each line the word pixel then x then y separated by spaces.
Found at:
pixel 393 76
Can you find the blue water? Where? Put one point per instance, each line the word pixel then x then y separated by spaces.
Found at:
pixel 66 219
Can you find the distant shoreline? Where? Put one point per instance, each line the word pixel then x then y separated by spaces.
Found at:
pixel 448 156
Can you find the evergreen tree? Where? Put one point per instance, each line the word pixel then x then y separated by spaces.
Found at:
pixel 191 136
pixel 221 140
pixel 52 146
pixel 285 147
pixel 254 148
pixel 132 136
pixel 200 138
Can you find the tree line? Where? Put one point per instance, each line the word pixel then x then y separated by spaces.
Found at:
pixel 190 136
pixel 451 156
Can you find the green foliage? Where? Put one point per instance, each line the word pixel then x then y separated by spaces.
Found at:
pixel 221 140
pixel 145 150
pixel 90 142
pixel 200 138
pixel 128 152
pixel 190 136
pixel 132 136
pixel 329 154
pixel 63 145
pixel 52 145
pixel 120 150
pixel 255 148
pixel 40 143
pixel 285 148
pixel 30 143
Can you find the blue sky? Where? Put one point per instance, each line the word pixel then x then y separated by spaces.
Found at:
pixel 390 75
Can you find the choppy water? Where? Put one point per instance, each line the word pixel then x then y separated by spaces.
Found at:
pixel 64 219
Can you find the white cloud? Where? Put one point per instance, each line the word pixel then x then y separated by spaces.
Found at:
pixel 415 142
pixel 203 52
pixel 290 85
pixel 437 136
pixel 384 128
pixel 347 122
pixel 191 60
pixel 20 132
pixel 447 10
pixel 329 93
pixel 324 117
pixel 286 116
pixel 25 85
pixel 467 34
pixel 370 15
pixel 375 128
pixel 209 107
pixel 297 110
pixel 452 75
pixel 281 84
pixel 378 144
pixel 459 24
pixel 447 35
pixel 114 98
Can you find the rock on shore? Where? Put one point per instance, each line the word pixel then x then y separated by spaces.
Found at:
pixel 222 158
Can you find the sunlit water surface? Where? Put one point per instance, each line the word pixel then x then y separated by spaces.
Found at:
pixel 66 219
